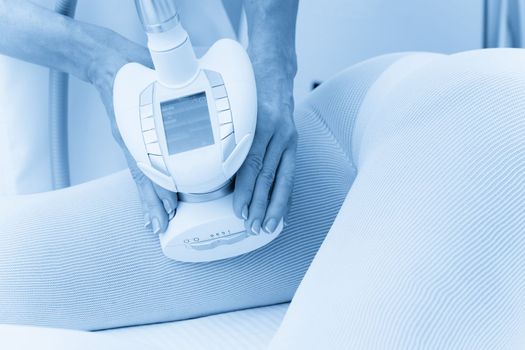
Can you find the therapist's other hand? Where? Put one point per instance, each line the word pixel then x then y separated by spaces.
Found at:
pixel 158 204
pixel 265 181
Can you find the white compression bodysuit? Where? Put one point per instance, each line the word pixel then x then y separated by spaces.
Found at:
pixel 427 250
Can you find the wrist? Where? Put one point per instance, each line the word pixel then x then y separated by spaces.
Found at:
pixel 104 68
pixel 273 60
pixel 271 32
pixel 108 53
pixel 275 84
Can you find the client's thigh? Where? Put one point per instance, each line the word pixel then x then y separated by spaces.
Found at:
pixel 80 257
pixel 428 251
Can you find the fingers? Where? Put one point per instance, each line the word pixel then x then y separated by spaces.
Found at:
pixel 247 175
pixel 282 191
pixel 263 185
pixel 155 215
pixel 286 217
pixel 268 169
pixel 168 199
pixel 158 204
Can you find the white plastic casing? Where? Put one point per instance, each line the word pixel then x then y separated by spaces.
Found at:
pixel 204 169
pixel 173 57
pixel 209 231
pixel 225 75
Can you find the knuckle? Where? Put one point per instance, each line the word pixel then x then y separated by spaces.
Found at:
pixel 287 131
pixel 258 206
pixel 267 176
pixel 254 162
pixel 268 107
pixel 264 128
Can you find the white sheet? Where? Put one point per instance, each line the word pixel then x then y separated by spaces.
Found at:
pixel 16 337
pixel 250 329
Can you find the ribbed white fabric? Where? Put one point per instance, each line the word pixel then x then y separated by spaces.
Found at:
pixel 428 250
pixel 80 258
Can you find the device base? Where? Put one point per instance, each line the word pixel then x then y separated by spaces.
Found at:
pixel 209 231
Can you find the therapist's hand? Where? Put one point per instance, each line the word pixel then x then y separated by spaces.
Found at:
pixel 159 205
pixel 93 54
pixel 265 180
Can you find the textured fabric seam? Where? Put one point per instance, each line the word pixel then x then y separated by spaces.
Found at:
pixel 317 115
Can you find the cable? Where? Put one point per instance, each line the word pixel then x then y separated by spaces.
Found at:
pixel 58 113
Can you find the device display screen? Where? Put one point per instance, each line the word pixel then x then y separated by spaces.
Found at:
pixel 187 123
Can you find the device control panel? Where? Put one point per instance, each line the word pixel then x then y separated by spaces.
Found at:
pixel 187 122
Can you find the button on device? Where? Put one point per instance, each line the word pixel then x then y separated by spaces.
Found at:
pixel 231 239
pixel 146 111
pixel 222 104
pixel 214 78
pixel 154 148
pixel 148 124
pixel 219 92
pixel 150 136
pixel 228 145
pixel 226 129
pixel 225 117
pixel 146 97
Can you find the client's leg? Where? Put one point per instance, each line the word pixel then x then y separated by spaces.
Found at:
pixel 80 258
pixel 428 251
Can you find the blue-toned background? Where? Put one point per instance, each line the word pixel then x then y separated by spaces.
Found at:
pixel 331 35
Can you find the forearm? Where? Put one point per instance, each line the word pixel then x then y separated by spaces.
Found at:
pixel 271 31
pixel 38 35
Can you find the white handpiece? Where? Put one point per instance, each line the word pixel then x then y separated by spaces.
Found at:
pixel 189 124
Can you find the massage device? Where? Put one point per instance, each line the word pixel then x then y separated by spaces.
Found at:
pixel 189 125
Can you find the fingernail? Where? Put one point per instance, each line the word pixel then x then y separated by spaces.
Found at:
pixel 156 225
pixel 167 206
pixel 256 226
pixel 244 213
pixel 270 226
pixel 147 220
pixel 172 214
